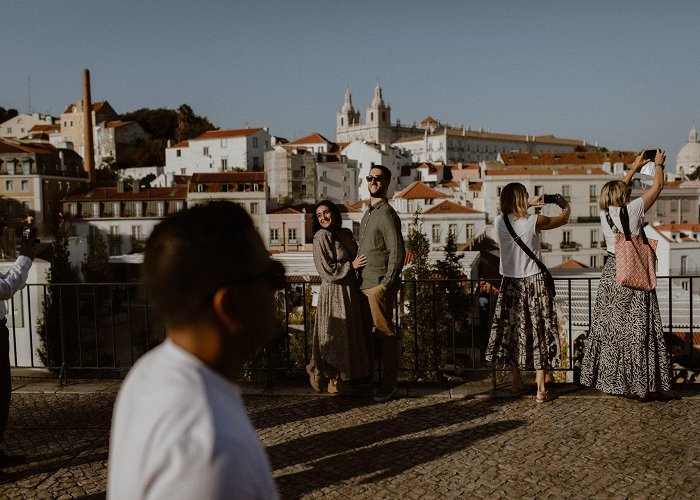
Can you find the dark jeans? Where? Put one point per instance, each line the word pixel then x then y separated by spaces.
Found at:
pixel 5 377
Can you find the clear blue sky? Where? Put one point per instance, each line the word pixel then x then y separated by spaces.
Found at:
pixel 623 73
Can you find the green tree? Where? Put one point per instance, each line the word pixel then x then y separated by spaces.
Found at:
pixel 424 322
pixel 190 125
pixel 96 265
pixel 59 307
pixel 6 114
pixel 451 270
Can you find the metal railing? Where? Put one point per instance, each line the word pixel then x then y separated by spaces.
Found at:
pixel 102 329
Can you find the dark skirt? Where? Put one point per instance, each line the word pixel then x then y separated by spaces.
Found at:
pixel 525 330
pixel 625 352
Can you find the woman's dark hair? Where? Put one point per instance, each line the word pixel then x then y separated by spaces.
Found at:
pixel 336 223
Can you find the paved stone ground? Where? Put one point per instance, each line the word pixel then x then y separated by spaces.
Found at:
pixel 443 444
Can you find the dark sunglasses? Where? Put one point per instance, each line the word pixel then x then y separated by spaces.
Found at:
pixel 375 178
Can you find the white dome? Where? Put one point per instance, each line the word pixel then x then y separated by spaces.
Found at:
pixel 688 159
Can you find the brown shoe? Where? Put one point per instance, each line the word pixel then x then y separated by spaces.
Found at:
pixel 337 386
pixel 547 395
pixel 315 380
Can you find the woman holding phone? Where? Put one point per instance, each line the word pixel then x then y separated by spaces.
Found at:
pixel 525 331
pixel 625 353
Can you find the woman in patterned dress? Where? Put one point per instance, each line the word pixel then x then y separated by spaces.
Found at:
pixel 340 344
pixel 625 353
pixel 524 333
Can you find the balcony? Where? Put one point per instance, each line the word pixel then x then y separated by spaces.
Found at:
pixel 569 246
pixel 545 247
pixel 588 219
pixel 444 331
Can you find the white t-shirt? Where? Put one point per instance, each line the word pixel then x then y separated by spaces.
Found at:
pixel 635 209
pixel 180 431
pixel 514 261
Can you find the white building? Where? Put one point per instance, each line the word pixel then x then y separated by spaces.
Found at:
pixel 368 154
pixel 219 151
pixel 582 237
pixel 21 125
pixel 688 158
pixel 678 249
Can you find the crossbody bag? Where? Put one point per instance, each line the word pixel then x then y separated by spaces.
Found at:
pixel 547 275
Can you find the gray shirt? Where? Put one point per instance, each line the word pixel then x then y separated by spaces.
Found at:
pixel 381 242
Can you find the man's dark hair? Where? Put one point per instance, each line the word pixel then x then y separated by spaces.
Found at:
pixel 337 219
pixel 385 172
pixel 193 253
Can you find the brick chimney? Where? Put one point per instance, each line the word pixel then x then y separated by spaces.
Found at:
pixel 89 156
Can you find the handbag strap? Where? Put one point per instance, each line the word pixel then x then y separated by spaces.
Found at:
pixel 522 245
pixel 625 219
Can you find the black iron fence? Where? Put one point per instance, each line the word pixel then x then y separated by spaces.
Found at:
pixel 102 329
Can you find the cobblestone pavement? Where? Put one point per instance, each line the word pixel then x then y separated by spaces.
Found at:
pixel 583 445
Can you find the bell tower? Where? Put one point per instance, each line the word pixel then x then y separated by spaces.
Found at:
pixel 347 117
pixel 378 118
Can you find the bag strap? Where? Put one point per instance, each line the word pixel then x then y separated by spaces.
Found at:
pixel 625 219
pixel 522 245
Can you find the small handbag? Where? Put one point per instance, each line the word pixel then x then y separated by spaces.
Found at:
pixel 635 256
pixel 547 275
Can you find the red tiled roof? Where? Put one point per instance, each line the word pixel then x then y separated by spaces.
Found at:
pixel 222 134
pixel 181 144
pixel 44 127
pixel 110 193
pixel 678 227
pixel 571 264
pixel 118 123
pixel 547 171
pixel 567 158
pixel 314 138
pixel 418 190
pixel 7 146
pixel 227 176
pixel 285 210
pixel 429 121
pixel 475 186
pixel 449 207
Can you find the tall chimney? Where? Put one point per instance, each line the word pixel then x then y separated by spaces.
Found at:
pixel 89 156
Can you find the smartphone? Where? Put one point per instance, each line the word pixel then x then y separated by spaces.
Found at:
pixel 550 198
pixel 649 154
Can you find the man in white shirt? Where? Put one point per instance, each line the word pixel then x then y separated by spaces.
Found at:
pixel 179 428
pixel 10 282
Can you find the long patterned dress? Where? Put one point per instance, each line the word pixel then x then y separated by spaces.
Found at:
pixel 340 339
pixel 625 352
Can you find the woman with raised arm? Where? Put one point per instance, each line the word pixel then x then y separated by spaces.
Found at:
pixel 339 350
pixel 625 353
pixel 524 333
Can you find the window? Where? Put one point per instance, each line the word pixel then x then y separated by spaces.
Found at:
pixel 302 171
pixel 178 153
pixel 685 205
pixel 470 232
pixel 113 231
pixel 224 164
pixel 500 188
pixel 8 186
pixel 256 162
pixel 684 264
pixel 200 188
pixel 224 143
pixel 660 207
pixel 205 150
pixel 25 186
pixel 436 233
pixel 303 190
pixel 592 192
pixel 566 192
pixel 593 210
pixel 137 233
pixel 160 209
pixel 566 236
pixel 594 238
pixel 254 208
pixel 26 166
pixel 452 228
pixel 255 142
pixel 292 235
pixel 594 261
pixel 74 209
pixel 274 235
pixel 674 205
pixel 95 209
pixel 116 206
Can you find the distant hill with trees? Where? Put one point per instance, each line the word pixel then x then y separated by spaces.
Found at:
pixel 162 125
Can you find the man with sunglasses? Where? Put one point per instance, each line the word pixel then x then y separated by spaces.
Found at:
pixel 180 429
pixel 381 242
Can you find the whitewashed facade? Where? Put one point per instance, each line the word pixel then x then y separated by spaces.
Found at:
pixel 219 151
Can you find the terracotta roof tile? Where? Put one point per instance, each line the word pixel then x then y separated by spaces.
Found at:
pixel 571 264
pixel 547 171
pixel 449 207
pixel 418 190
pixel 314 138
pixel 567 158
pixel 227 176
pixel 222 134
pixel 678 227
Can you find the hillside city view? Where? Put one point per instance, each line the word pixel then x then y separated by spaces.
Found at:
pixel 95 182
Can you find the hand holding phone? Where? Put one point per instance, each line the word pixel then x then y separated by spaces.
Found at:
pixel 550 198
pixel 649 154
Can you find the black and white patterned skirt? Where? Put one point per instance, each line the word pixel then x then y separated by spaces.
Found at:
pixel 625 352
pixel 525 331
